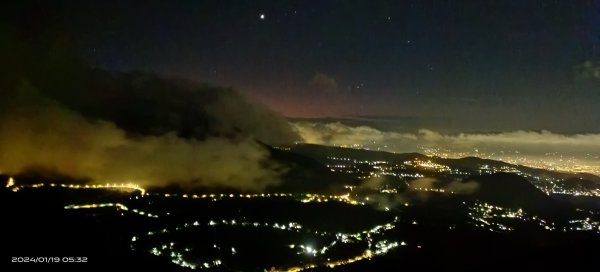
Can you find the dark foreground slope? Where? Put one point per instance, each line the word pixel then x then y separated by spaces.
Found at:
pixel 514 191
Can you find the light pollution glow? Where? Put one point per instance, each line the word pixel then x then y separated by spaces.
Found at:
pixel 552 151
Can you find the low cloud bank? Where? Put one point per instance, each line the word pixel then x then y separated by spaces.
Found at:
pixel 525 147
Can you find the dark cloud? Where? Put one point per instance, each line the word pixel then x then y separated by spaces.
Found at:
pixel 324 82
pixel 234 112
pixel 140 103
pixel 60 114
pixel 146 104
pixel 39 132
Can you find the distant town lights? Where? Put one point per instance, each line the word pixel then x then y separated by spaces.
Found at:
pixel 10 183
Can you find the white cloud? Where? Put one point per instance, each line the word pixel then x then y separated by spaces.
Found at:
pixel 578 151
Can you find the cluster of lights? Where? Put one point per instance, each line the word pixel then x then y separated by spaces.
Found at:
pixel 547 184
pixel 381 168
pixel 10 183
pixel 351 146
pixel 313 251
pixel 348 165
pixel 553 161
pixel 574 192
pixel 168 250
pixel 432 165
pixel 177 257
pixel 485 215
pixel 435 190
pixel 586 224
pixel 373 249
pixel 381 248
pixel 325 198
pixel 550 185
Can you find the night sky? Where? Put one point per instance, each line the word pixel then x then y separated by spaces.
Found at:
pixel 479 65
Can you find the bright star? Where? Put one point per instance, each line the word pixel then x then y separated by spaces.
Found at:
pixel 261 16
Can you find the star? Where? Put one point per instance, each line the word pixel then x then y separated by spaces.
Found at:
pixel 262 16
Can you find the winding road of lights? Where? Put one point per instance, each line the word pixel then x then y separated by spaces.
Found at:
pixel 304 198
pixel 484 215
pixel 107 186
pixel 118 206
pixel 374 248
